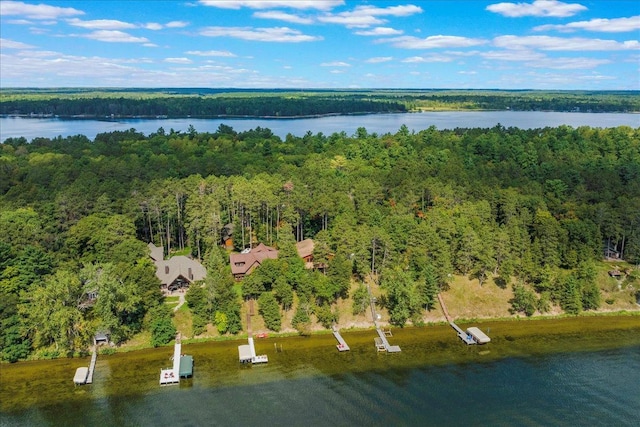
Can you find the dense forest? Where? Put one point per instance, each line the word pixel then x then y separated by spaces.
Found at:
pixel 528 209
pixel 202 103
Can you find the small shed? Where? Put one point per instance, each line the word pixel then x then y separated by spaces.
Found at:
pixel 101 338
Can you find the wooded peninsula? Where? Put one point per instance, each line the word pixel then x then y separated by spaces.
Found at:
pixel 533 212
pixel 210 103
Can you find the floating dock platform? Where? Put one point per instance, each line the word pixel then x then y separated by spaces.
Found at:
pixel 247 354
pixel 342 344
pixel 182 366
pixel 81 375
pixel 84 375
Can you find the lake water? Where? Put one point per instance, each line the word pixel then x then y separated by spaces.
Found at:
pixel 562 372
pixel 13 127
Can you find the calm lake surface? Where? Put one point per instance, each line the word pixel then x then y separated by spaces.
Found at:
pixel 562 372
pixel 14 127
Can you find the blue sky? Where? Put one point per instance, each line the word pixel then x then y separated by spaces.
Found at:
pixel 522 44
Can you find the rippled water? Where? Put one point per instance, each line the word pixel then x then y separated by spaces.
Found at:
pixel 569 372
pixel 14 127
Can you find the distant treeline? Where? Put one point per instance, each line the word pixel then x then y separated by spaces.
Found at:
pixel 531 101
pixel 204 103
pixel 195 106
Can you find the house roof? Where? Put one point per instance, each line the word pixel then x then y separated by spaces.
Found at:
pixel 243 263
pixel 157 254
pixel 168 271
pixel 305 248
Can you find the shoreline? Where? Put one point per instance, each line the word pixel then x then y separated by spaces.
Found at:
pixel 117 118
pixel 352 328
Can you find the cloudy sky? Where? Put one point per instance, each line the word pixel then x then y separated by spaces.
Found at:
pixel 525 44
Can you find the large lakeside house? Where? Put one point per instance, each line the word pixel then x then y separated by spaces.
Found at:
pixel 177 272
pixel 248 260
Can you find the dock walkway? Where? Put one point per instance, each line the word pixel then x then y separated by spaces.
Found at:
pixel 382 344
pixel 383 340
pixel 342 344
pixel 92 365
pixel 172 375
pixel 471 336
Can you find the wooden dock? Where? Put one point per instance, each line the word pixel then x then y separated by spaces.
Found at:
pixel 84 375
pixel 342 344
pixel 92 365
pixel 382 344
pixel 182 366
pixel 472 335
pixel 247 352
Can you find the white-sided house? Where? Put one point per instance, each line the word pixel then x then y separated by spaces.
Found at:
pixel 176 272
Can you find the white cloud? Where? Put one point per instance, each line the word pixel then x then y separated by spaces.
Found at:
pixel 113 24
pixel 615 25
pixel 11 44
pixel 283 16
pixel 276 34
pixel 469 73
pixel 379 59
pixel 567 63
pixel 273 4
pixel 423 59
pixel 113 36
pixel 176 24
pixel 178 60
pixel 406 10
pixel 379 31
pixel 36 11
pixel 563 44
pixel 335 64
pixel 101 24
pixel 352 21
pixel 432 42
pixel 547 8
pixel 154 26
pixel 366 16
pixel 20 21
pixel 512 55
pixel 224 53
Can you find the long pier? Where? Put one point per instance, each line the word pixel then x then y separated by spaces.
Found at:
pixel 382 344
pixel 342 344
pixel 471 336
pixel 247 352
pixel 92 365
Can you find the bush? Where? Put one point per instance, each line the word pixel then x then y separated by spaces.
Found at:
pixel 301 320
pixel 524 300
pixel 162 331
pixel 325 316
pixel 270 311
